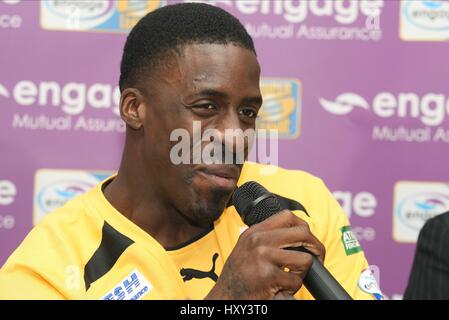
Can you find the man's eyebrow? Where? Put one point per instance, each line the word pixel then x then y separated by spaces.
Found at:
pixel 219 94
pixel 212 93
pixel 258 100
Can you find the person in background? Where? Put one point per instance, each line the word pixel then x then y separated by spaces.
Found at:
pixel 429 278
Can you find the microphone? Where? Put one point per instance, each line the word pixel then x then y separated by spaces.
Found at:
pixel 254 203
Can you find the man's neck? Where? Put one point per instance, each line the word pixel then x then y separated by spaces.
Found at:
pixel 135 198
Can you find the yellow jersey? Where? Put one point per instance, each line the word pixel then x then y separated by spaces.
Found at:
pixel 88 250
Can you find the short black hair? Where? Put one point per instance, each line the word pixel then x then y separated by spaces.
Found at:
pixel 166 30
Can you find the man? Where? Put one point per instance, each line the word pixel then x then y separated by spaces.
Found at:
pixel 429 279
pixel 158 230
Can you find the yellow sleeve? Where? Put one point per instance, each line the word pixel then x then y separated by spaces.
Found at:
pixel 23 283
pixel 41 268
pixel 344 255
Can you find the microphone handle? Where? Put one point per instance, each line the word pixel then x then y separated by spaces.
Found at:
pixel 320 282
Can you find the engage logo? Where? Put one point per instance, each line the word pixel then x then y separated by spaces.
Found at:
pixel 95 15
pixel 414 203
pixel 431 109
pixel 53 188
pixel 309 19
pixel 72 98
pixel 424 20
pixel 297 11
pixel 281 109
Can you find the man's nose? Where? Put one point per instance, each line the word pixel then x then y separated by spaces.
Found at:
pixel 232 136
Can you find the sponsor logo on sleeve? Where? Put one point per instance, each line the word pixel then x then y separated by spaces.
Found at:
pixel 350 242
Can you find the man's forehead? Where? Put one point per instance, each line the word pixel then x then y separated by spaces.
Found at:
pixel 200 77
pixel 200 62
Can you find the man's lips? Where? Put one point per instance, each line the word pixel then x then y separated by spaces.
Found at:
pixel 224 176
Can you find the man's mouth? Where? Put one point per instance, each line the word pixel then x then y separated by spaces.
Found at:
pixel 223 176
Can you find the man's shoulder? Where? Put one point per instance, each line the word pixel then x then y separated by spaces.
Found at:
pixel 54 250
pixel 296 188
pixel 264 171
pixel 280 180
pixel 439 220
pixel 77 210
pixel 437 226
pixel 70 227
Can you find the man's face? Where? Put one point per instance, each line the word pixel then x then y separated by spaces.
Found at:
pixel 217 85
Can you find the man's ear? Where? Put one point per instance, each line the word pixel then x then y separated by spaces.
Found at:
pixel 132 108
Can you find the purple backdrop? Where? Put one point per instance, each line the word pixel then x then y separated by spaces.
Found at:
pixel 367 81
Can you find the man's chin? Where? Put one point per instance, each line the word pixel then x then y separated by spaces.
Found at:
pixel 206 212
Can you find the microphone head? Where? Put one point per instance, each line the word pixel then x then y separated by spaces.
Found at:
pixel 254 203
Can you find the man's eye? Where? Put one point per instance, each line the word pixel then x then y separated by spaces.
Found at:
pixel 249 113
pixel 204 109
pixel 207 106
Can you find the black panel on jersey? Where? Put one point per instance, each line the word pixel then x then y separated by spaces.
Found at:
pixel 112 245
pixel 290 204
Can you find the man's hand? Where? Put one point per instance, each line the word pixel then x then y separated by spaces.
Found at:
pixel 260 267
